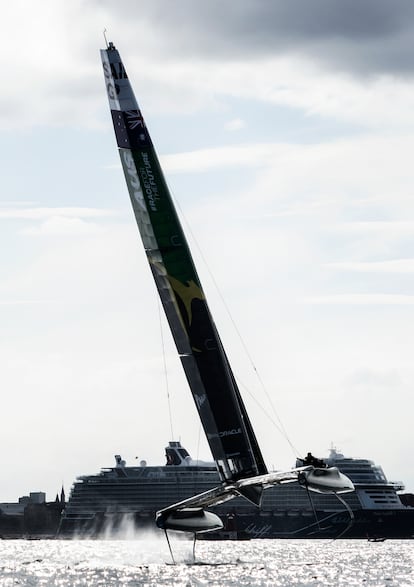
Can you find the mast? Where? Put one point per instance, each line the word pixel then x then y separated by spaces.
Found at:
pixel 222 412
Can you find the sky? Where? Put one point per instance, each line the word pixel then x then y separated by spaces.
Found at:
pixel 286 133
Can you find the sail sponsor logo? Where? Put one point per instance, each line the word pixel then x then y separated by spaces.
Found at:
pixel 187 292
pixel 118 71
pixel 148 182
pixel 232 432
pixel 132 178
pixel 115 70
pixel 111 88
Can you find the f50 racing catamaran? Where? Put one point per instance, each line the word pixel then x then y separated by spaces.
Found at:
pixel 222 412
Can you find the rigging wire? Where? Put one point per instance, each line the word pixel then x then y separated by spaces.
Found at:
pixel 280 427
pixel 344 503
pixel 351 516
pixel 313 506
pixel 165 371
pixel 198 442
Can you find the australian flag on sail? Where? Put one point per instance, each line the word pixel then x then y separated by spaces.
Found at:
pixel 130 129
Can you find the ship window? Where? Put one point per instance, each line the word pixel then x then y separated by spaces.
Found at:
pixel 172 457
pixel 183 453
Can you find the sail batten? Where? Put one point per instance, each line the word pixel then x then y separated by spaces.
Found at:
pixel 212 383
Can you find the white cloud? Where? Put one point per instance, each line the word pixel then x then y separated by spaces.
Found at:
pixel 61 227
pixel 39 213
pixel 377 379
pixel 341 173
pixel 291 82
pixel 60 81
pixel 364 299
pixel 60 222
pixel 235 124
pixel 74 270
pixel 397 227
pixel 249 155
pixel 23 302
pixel 394 266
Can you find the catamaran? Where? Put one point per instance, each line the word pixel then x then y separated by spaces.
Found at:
pixel 223 415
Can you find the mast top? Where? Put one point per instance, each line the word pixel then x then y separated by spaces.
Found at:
pixel 109 46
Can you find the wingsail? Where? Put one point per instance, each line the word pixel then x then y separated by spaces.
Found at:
pixel 222 412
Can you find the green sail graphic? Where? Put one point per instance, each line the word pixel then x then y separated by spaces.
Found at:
pixel 221 409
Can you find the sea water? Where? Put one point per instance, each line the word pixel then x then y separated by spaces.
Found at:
pixel 147 561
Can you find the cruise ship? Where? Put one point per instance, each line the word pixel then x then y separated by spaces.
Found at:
pixel 104 503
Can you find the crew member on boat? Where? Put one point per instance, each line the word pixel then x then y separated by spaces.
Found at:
pixel 314 461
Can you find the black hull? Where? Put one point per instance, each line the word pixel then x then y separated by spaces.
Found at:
pixel 395 524
pixel 367 524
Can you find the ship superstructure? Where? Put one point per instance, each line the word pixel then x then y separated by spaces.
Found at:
pixel 100 503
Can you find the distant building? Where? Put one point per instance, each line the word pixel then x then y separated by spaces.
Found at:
pixel 17 508
pixel 31 515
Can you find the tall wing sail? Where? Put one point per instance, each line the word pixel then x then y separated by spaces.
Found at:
pixel 222 412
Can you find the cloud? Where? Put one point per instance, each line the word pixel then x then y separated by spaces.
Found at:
pixel 394 266
pixel 361 299
pixel 284 80
pixel 62 227
pixel 381 378
pixel 235 124
pixel 373 36
pixel 252 155
pixel 44 47
pixel 60 222
pixel 23 302
pixel 305 55
pixel 39 213
pixel 73 271
pixel 373 226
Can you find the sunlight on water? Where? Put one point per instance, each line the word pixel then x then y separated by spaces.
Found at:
pixel 146 561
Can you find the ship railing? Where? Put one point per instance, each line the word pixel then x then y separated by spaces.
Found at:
pixel 398 485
